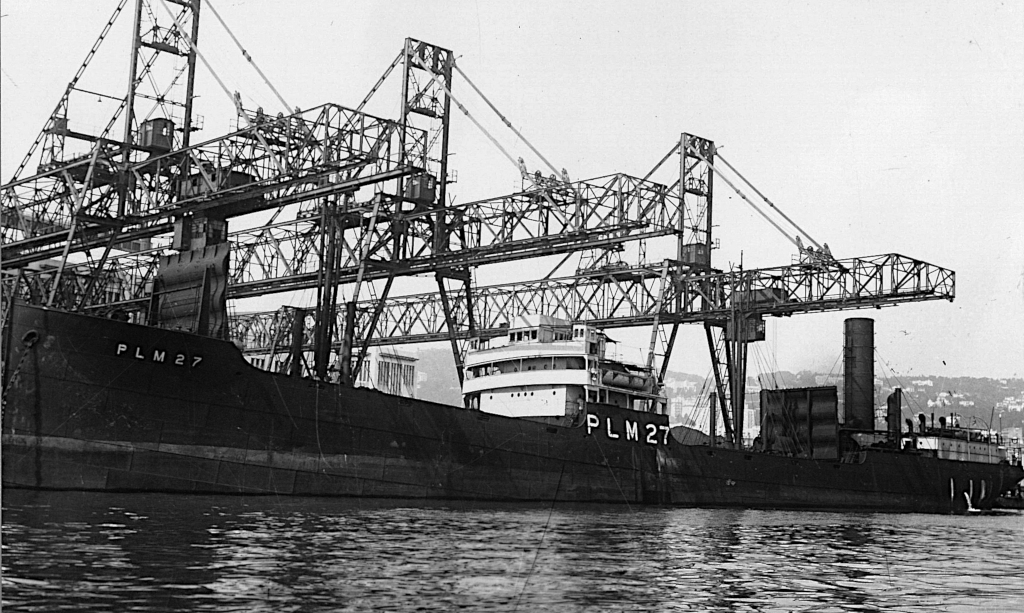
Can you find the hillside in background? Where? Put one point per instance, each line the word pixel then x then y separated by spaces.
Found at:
pixel 436 379
pixel 980 401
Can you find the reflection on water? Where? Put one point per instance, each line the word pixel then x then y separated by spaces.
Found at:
pixel 144 552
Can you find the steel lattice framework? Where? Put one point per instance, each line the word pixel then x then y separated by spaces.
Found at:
pixel 332 197
pixel 273 163
pixel 286 255
pixel 536 222
pixel 630 297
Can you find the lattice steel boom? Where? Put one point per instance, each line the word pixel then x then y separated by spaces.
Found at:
pixel 628 298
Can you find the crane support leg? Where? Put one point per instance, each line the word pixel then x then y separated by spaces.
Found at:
pixel 716 347
pixel 450 323
pixel 372 327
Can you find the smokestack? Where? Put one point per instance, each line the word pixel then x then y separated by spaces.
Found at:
pixel 894 406
pixel 859 365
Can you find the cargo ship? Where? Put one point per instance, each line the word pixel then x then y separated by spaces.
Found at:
pixel 104 405
pixel 127 369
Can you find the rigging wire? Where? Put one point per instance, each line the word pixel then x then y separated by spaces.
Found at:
pixel 192 45
pixel 547 524
pixel 744 197
pixel 505 121
pixel 494 141
pixel 71 87
pixel 775 356
pixel 288 109
pixel 465 112
pixel 700 417
pixel 763 364
pixel 765 198
pixel 904 409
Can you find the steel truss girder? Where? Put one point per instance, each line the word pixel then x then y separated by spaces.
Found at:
pixel 271 163
pixel 693 189
pixel 536 222
pixel 126 286
pixel 159 43
pixel 628 298
pixel 541 221
pixel 427 81
pixel 695 192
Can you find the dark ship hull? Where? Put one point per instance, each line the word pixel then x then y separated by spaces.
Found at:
pixel 97 404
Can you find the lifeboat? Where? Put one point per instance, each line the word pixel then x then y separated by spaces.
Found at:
pixel 614 378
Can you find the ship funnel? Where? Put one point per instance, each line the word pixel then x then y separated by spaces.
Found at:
pixel 894 410
pixel 859 365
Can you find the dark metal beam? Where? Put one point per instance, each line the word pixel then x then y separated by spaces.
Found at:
pixel 628 298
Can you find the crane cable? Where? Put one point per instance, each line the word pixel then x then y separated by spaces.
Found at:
pixel 506 121
pixel 561 175
pixel 288 109
pixel 465 112
pixel 235 99
pixel 765 198
pixel 744 196
pixel 192 45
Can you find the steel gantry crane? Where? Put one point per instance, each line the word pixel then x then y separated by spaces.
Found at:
pixel 134 223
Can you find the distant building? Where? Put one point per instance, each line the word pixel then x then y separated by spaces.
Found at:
pixel 684 411
pixel 689 387
pixel 751 423
pixel 821 380
pixel 389 372
pixel 1011 403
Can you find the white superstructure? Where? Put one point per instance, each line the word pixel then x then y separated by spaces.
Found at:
pixel 960 444
pixel 548 367
pixel 389 372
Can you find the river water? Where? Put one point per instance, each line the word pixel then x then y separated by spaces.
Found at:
pixel 154 552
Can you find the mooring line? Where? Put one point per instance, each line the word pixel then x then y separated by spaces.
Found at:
pixel 543 534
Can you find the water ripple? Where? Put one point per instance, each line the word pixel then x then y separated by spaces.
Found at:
pixel 101 552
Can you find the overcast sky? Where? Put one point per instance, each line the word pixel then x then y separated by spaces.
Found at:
pixel 879 127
